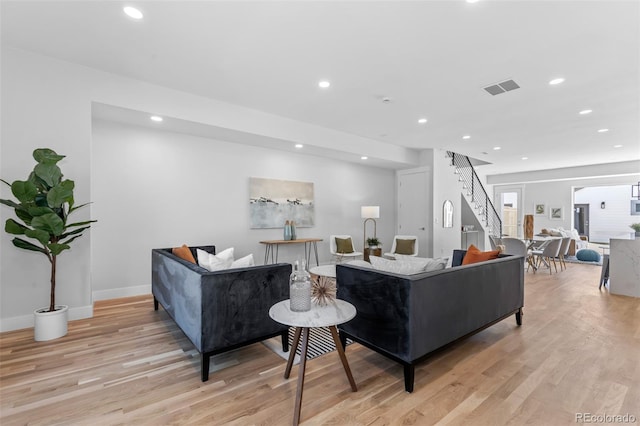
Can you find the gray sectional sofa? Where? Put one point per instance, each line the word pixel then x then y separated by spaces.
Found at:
pixel 407 317
pixel 223 310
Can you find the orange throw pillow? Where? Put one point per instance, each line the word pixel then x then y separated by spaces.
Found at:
pixel 184 253
pixel 474 255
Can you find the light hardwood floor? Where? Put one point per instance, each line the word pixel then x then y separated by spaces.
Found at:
pixel 578 351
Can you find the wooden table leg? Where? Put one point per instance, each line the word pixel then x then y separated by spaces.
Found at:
pixel 303 364
pixel 292 353
pixel 343 358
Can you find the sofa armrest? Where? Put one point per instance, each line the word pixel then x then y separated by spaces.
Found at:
pixel 236 302
pixel 175 284
pixel 382 304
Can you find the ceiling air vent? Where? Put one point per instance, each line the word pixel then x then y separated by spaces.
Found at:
pixel 505 86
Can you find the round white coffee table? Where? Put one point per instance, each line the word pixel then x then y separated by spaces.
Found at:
pixel 334 313
pixel 324 271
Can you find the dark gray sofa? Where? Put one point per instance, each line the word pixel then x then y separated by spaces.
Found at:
pixel 222 310
pixel 407 317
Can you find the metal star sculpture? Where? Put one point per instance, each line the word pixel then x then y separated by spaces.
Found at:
pixel 323 290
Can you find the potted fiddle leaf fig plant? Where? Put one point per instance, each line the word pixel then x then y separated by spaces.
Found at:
pixel 44 203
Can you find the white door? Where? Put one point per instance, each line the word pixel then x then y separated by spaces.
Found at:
pixel 508 204
pixel 414 198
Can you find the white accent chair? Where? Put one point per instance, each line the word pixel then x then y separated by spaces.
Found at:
pixel 514 246
pixel 494 241
pixel 548 254
pixel 392 254
pixel 564 249
pixel 517 247
pixel 333 249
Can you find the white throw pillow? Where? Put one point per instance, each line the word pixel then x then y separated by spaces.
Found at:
pixel 430 264
pixel 575 234
pixel 243 262
pixel 226 254
pixel 214 262
pixel 397 266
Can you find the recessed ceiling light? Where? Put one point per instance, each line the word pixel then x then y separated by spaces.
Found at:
pixel 324 84
pixel 525 158
pixel 156 118
pixel 585 112
pixel 299 145
pixel 466 137
pixel 364 157
pixel 422 120
pixel 496 148
pixel 132 12
pixel 617 146
pixel 603 130
pixel 556 81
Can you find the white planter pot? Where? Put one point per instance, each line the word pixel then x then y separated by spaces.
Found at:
pixel 50 325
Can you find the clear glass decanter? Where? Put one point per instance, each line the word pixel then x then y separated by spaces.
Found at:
pixel 300 288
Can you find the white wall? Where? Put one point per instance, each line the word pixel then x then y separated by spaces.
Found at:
pixel 613 221
pixel 445 187
pixel 44 104
pixel 157 189
pixel 47 103
pixel 560 194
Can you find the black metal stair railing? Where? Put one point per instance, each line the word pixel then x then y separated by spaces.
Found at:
pixel 479 197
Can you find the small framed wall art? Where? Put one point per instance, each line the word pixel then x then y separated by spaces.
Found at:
pixel 555 213
pixel 539 209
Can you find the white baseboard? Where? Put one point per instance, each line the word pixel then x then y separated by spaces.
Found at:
pixel 116 293
pixel 79 312
pixel 26 321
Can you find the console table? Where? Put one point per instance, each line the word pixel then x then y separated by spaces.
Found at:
pixel 309 243
pixel 334 313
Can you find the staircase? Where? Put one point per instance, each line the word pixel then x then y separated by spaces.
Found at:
pixel 476 194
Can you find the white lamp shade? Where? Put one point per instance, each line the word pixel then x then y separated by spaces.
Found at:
pixel 370 212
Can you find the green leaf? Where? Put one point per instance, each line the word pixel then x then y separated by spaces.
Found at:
pixel 20 243
pixel 60 194
pixel 13 227
pixel 81 223
pixel 24 216
pixel 39 235
pixel 24 191
pixel 39 183
pixel 49 173
pixel 41 200
pixel 76 231
pixel 57 248
pixel 46 155
pixel 74 208
pixel 10 203
pixel 50 223
pixel 70 239
pixel 39 211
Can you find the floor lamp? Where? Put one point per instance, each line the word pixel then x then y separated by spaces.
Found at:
pixel 369 213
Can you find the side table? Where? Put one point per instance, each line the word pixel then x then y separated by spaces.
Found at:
pixel 334 313
pixel 371 252
pixel 309 244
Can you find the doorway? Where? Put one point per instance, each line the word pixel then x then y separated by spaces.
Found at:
pixel 508 201
pixel 581 218
pixel 414 193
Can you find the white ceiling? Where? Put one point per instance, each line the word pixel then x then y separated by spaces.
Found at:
pixel 431 58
